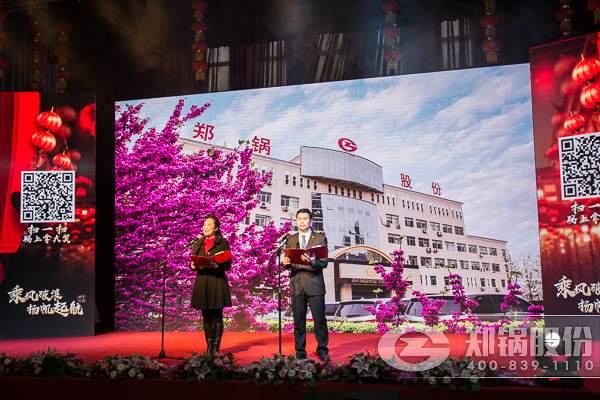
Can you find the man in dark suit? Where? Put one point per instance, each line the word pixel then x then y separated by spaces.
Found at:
pixel 308 286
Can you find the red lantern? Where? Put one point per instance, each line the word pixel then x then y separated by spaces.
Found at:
pixel 87 119
pixel 62 161
pixel 392 55
pixel 590 96
pixel 199 26
pixel 565 13
pixel 2 37
pixel 37 28
pixel 574 123
pixel 552 153
pixel 63 27
pixel 391 31
pixel 200 65
pixel 37 46
pixel 3 14
pixel 3 62
pixel 74 155
pixel 586 71
pixel 36 86
pixel 62 51
pixel 594 5
pixel 200 46
pixel 49 121
pixel 67 113
pixel 43 141
pixel 82 181
pixel 390 6
pixel 37 66
pixel 62 74
pixel 491 46
pixel 489 20
pixel 199 5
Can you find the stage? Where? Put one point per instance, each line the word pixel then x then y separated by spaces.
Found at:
pixel 247 347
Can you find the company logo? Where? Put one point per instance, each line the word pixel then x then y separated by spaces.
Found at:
pixel 371 271
pixel 433 356
pixel 347 145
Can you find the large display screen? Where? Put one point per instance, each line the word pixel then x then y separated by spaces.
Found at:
pixel 47 214
pixel 439 164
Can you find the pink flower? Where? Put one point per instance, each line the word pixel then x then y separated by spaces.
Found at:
pixel 37 369
pixel 282 373
pixel 218 362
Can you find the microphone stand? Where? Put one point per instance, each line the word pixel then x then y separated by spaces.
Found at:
pixel 162 354
pixel 279 292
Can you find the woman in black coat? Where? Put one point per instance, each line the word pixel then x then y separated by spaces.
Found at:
pixel 211 289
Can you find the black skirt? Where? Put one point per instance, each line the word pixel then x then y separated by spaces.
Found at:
pixel 211 290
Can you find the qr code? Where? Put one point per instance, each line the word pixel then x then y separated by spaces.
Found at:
pixel 47 196
pixel 580 166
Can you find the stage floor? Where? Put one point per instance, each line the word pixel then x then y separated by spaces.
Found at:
pixel 247 347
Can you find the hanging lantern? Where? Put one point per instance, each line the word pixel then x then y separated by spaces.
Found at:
pixel 37 65
pixel 49 121
pixel 199 6
pixel 67 113
pixel 390 8
pixel 199 27
pixel 3 64
pixel 63 76
pixel 574 123
pixel 590 96
pixel 586 71
pixel 62 161
pixel 87 119
pixel 565 15
pixel 62 28
pixel 594 6
pixel 488 21
pixel 491 47
pixel 552 153
pixel 391 33
pixel 62 52
pixel 3 61
pixel 200 66
pixel 392 56
pixel 43 141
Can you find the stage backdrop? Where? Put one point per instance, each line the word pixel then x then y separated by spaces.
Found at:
pixel 441 162
pixel 565 95
pixel 47 214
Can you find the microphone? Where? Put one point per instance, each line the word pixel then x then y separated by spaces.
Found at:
pixel 194 240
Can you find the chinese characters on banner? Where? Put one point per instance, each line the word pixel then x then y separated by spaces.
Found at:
pixel 563 288
pixel 18 295
pixel 405 181
pixel 437 190
pixel 57 234
pixel 205 132
pixel 577 208
pixel 261 144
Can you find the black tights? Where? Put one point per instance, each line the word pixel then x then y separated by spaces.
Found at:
pixel 212 315
pixel 213 329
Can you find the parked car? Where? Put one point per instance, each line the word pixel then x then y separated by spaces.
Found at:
pixel 330 309
pixel 354 310
pixel 489 308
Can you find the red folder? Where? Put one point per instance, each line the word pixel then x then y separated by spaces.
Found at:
pixel 296 254
pixel 202 262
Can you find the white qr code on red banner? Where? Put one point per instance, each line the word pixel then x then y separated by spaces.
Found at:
pixel 579 166
pixel 48 196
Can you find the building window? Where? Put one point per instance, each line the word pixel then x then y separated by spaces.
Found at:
pixel 247 220
pixel 330 188
pixel 435 226
pixel 464 264
pixel 308 183
pixel 482 282
pixel 472 249
pixel 408 221
pixel 360 194
pixel 354 192
pixel 287 178
pixel 342 190
pixel 493 283
pixel 485 267
pixel 421 224
pixel 426 261
pixel 446 281
pixel 372 198
pixel 483 250
pixel 423 242
pixel 346 242
pixel 503 282
pixel 289 201
pixel 395 239
pixel 447 228
pixel 475 265
pixel 336 192
pixel 437 244
pixel 261 220
pixel 394 201
pixel 378 198
pixel 493 251
pixel 506 268
pixel 301 182
pixel 433 281
pixel 496 267
pixel 461 247
pixel 459 230
pixel 454 263
pixel 450 246
pixel 413 260
pixel 314 185
pixel 264 197
pixel 392 219
pixel 439 263
pixel 504 253
pixel 403 204
pixel 410 240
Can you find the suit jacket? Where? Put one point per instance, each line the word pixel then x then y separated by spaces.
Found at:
pixel 305 278
pixel 211 289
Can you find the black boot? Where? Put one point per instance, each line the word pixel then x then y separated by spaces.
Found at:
pixel 217 330
pixel 209 334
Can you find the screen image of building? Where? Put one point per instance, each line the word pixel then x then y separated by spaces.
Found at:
pixel 364 220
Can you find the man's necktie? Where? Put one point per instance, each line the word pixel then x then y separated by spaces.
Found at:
pixel 303 241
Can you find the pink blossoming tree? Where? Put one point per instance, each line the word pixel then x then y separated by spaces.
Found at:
pixel 162 198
